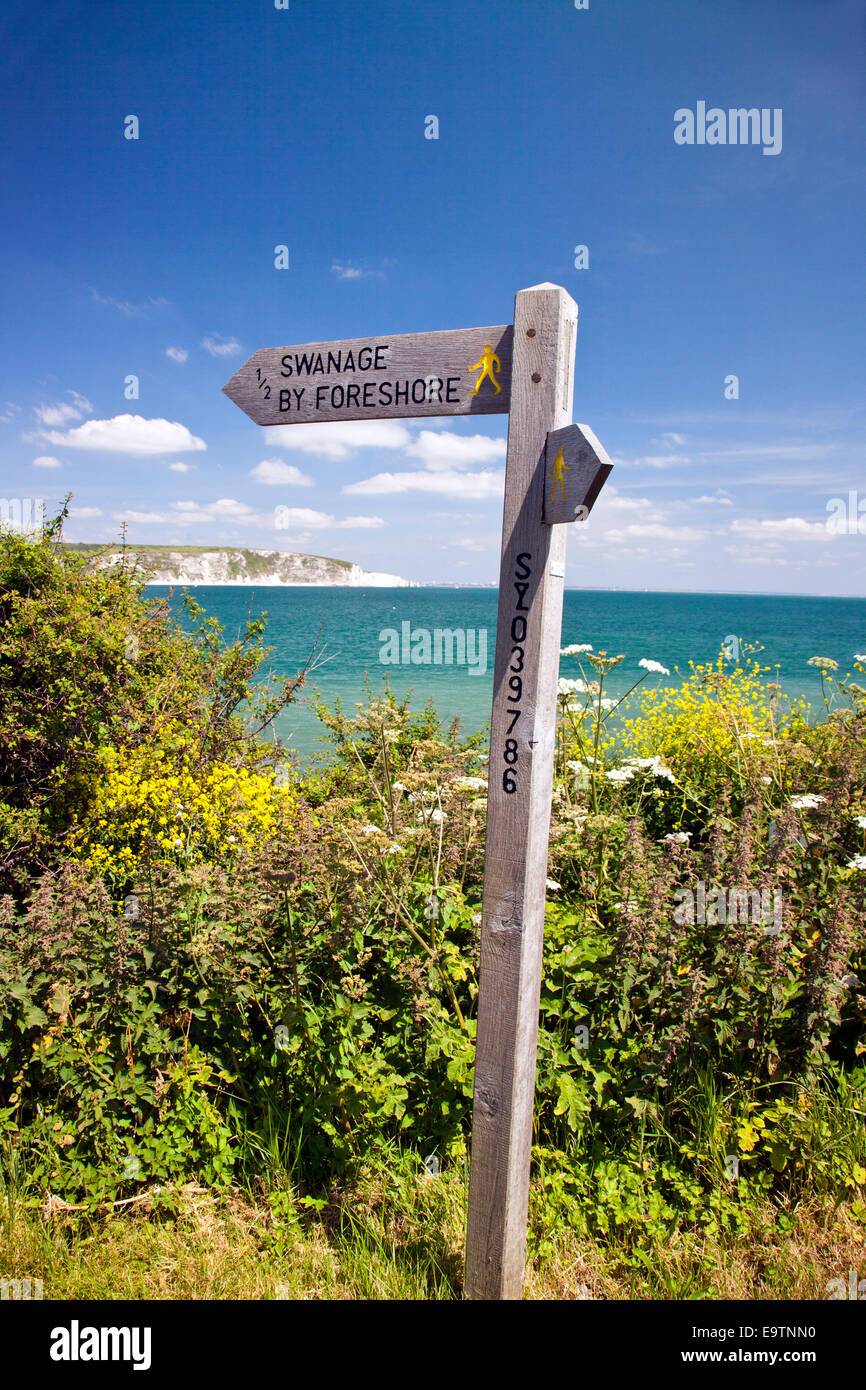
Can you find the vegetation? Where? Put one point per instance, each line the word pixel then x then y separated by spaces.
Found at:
pixel 234 995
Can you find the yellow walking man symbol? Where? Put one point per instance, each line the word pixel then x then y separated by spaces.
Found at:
pixel 487 366
pixel 559 464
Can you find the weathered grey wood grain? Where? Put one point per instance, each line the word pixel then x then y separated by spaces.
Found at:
pixel 518 820
pixel 378 378
pixel 576 469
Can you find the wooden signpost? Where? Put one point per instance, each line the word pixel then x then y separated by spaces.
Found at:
pixel 554 472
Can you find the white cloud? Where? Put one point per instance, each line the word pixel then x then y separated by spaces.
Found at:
pixel 657 531
pixel 227 506
pixel 215 511
pixel 769 451
pixel 665 460
pixel 468 543
pixel 754 557
pixel 276 473
pixel 612 507
pixel 345 271
pixel 445 455
pixel 662 460
pixel 218 346
pixel 144 518
pixel 187 513
pixel 228 509
pixel 46 461
pixel 613 501
pixel 339 439
pixel 789 528
pixel 181 467
pixel 125 306
pixel 474 487
pixel 718 501
pixel 82 513
pixel 446 451
pixel 464 518
pixel 321 521
pixel 128 434
pixel 62 413
pixel 177 354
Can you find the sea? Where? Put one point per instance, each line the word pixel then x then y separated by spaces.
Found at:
pixel 361 638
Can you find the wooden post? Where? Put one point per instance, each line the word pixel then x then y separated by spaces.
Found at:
pixel 553 473
pixel 522 741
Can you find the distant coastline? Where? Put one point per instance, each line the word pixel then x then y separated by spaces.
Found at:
pixel 243 566
pixel 230 566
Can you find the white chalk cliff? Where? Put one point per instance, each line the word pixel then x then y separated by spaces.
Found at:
pixel 190 565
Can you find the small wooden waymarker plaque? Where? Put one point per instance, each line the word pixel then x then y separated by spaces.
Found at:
pixel 576 467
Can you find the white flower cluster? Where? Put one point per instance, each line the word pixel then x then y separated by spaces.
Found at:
pixel 631 767
pixel 653 666
pixel 621 774
pixel 576 649
pixel 655 765
pixel 808 802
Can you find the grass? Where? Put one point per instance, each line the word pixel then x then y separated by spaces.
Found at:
pixel 394 1236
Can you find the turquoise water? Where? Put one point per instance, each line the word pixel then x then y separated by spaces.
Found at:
pixel 670 628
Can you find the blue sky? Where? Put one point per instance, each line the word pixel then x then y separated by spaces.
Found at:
pixel 306 127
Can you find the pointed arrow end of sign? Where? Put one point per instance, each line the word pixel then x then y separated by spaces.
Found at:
pixel 596 445
pixel 244 390
pixel 230 388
